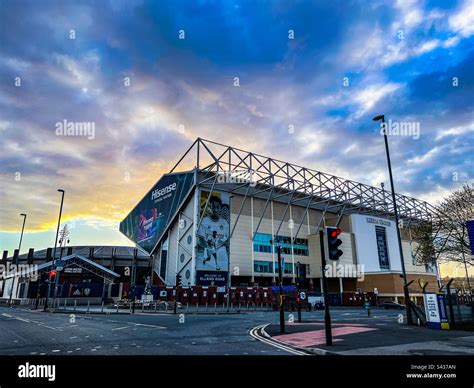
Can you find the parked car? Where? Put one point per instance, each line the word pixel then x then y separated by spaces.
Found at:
pixel 392 305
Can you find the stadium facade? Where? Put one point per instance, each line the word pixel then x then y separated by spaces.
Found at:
pixel 212 220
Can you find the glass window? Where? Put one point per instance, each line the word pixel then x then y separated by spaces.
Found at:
pixel 262 244
pixel 263 266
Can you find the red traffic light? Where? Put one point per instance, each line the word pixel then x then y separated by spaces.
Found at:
pixel 52 274
pixel 336 232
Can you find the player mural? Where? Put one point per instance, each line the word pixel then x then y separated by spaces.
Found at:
pixel 212 252
pixel 148 225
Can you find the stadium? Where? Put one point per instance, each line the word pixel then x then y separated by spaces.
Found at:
pixel 212 220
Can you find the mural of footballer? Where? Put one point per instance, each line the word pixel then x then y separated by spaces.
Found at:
pixel 213 235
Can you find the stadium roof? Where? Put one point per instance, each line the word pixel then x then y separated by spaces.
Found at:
pixel 281 181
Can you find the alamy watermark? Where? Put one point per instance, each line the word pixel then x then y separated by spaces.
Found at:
pixel 75 128
pixel 401 128
pixel 237 176
pixel 21 270
pixel 340 270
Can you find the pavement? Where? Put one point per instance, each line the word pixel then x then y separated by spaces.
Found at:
pixel 34 332
pixel 381 334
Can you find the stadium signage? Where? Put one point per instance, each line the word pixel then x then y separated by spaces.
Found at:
pixel 147 221
pixel 378 221
pixel 165 190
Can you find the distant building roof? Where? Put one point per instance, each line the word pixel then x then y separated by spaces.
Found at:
pixel 99 252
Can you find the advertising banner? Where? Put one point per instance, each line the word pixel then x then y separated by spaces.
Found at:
pixel 212 250
pixel 435 310
pixel 147 221
pixel 433 318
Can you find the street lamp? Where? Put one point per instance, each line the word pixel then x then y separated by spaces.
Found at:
pixel 54 252
pixel 64 240
pixel 404 275
pixel 16 258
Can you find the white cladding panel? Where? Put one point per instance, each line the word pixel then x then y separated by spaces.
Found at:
pixel 363 228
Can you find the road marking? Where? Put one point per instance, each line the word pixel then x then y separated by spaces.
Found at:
pixel 7 315
pixel 23 320
pixel 49 327
pixel 254 333
pixel 121 328
pixel 146 325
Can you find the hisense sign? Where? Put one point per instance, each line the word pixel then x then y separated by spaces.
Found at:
pixel 156 194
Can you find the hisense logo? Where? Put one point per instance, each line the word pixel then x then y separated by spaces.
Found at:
pixel 165 190
pixel 37 371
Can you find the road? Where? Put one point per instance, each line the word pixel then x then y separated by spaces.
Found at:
pixel 29 332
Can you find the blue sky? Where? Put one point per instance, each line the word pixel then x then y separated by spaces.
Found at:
pixel 348 61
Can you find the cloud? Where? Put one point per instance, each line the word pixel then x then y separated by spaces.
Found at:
pixel 462 22
pixel 183 89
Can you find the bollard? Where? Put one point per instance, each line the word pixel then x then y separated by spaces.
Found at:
pixel 130 306
pixel 117 307
pixel 88 306
pixel 215 307
pixel 65 304
pixel 143 306
pixel 187 306
pixel 102 307
pixel 232 306
pixel 206 307
pixel 156 305
pixel 75 304
pixel 197 307
pixel 166 307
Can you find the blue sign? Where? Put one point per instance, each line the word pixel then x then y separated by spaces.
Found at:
pixel 284 288
pixel 470 233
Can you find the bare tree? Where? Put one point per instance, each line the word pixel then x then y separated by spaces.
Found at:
pixel 445 238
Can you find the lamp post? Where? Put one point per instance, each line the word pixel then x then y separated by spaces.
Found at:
pixel 404 275
pixel 16 258
pixel 63 241
pixel 54 251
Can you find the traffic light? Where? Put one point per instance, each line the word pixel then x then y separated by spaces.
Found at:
pixel 333 243
pixel 179 283
pixel 301 271
pixel 52 275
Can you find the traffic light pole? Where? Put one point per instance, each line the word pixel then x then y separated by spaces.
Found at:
pixel 280 286
pixel 327 316
pixel 178 284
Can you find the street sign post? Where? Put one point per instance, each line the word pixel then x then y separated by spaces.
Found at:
pixel 470 232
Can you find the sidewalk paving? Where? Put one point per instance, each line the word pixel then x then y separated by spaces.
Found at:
pixel 374 338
